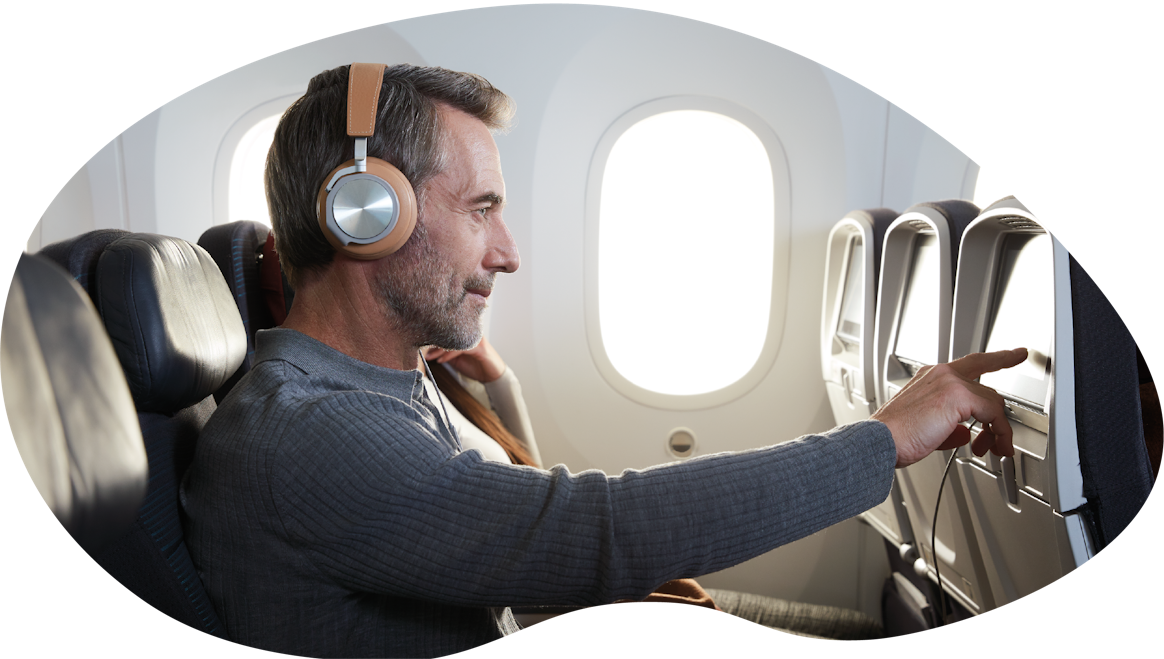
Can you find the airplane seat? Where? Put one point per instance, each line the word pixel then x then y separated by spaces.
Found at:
pixel 907 598
pixel 926 236
pixel 1081 469
pixel 1153 420
pixel 178 337
pixel 69 406
pixel 800 618
pixel 914 304
pixel 237 249
pixel 852 267
pixel 1113 452
pixel 78 255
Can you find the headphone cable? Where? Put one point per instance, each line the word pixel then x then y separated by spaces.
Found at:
pixel 934 535
pixel 441 400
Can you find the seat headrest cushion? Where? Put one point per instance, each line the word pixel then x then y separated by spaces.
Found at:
pixel 71 413
pixel 171 318
pixel 79 255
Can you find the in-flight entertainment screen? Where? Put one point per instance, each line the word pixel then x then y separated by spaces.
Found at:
pixel 1023 316
pixel 853 296
pixel 917 330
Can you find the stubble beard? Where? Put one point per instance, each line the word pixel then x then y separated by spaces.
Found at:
pixel 423 294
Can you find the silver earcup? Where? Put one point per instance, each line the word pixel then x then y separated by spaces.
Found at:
pixel 362 208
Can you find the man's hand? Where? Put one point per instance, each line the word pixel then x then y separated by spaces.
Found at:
pixel 482 363
pixel 927 414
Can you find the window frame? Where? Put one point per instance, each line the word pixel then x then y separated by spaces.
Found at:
pixel 224 158
pixel 781 190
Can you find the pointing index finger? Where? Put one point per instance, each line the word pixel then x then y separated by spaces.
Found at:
pixel 974 365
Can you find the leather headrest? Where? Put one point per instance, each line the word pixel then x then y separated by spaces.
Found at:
pixel 172 320
pixel 70 410
pixel 78 255
pixel 237 247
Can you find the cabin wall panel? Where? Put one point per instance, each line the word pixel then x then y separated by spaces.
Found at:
pixel 70 213
pixel 141 159
pixel 114 190
pixel 864 121
pixel 107 176
pixel 922 166
pixel 643 58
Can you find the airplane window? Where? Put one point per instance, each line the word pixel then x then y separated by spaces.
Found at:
pixel 685 251
pixel 987 190
pixel 247 200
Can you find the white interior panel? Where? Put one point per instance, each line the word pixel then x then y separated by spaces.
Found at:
pixel 638 60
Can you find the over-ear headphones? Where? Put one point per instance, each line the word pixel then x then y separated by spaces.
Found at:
pixel 367 208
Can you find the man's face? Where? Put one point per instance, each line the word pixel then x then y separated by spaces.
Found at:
pixel 438 283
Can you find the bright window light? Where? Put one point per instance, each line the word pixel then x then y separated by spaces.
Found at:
pixel 247 199
pixel 685 243
pixel 987 190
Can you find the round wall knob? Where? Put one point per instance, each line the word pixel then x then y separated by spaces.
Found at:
pixel 681 443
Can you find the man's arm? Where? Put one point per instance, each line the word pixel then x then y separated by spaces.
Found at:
pixel 381 507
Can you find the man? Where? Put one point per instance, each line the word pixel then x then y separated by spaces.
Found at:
pixel 331 511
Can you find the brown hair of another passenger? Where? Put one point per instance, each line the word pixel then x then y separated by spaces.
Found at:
pixel 476 413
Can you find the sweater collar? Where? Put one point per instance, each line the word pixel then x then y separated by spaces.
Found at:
pixel 319 359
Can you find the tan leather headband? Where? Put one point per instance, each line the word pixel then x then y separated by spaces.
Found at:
pixel 364 82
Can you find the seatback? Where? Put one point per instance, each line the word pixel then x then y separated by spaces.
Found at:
pixel 178 336
pixel 1081 469
pixel 915 298
pixel 237 249
pixel 69 406
pixel 79 255
pixel 852 265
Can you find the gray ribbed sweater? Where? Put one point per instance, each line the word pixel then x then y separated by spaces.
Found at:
pixel 330 513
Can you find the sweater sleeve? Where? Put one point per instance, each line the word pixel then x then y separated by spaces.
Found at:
pixel 407 517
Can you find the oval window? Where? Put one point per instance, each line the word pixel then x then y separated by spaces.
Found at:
pixel 247 199
pixel 685 252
